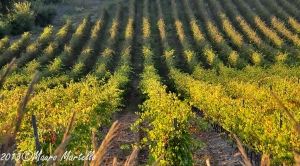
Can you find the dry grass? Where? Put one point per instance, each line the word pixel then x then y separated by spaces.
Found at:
pixel 9 144
pixel 94 142
pixel 22 106
pixel 23 103
pixel 6 72
pixel 296 153
pixel 207 162
pixel 265 161
pixel 70 125
pixel 86 162
pixel 296 124
pixel 108 140
pixel 296 157
pixel 114 161
pixel 61 148
pixel 158 160
pixel 10 139
pixel 131 159
pixel 240 146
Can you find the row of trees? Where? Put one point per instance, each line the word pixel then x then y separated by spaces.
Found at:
pixel 17 16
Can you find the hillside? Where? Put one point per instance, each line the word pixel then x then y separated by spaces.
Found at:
pixel 156 66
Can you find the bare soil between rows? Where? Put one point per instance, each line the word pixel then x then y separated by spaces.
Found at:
pixel 217 150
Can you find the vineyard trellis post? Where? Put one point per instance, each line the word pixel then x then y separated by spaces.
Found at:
pixel 175 124
pixel 36 138
pixel 2 98
pixel 280 114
